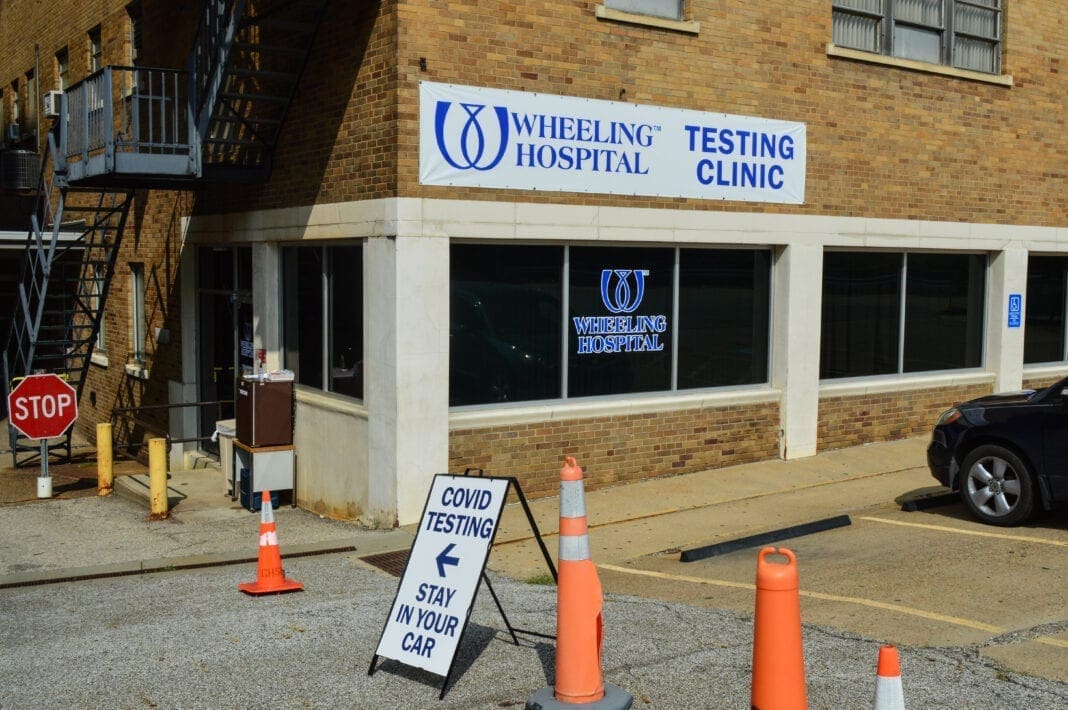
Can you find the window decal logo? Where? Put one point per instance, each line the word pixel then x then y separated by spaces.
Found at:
pixel 622 299
pixel 471 143
pixel 622 291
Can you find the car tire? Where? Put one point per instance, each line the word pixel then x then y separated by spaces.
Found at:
pixel 997 486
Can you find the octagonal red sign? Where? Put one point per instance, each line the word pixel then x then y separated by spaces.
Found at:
pixel 42 406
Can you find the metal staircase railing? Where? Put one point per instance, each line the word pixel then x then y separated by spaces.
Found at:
pixel 55 329
pixel 128 128
pixel 267 44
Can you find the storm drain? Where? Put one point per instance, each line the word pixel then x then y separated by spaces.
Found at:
pixel 390 562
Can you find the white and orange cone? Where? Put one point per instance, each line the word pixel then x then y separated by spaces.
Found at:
pixel 270 577
pixel 888 692
pixel 579 625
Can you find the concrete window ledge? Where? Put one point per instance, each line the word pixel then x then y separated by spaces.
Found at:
pixel 834 50
pixel 99 359
pixel 137 370
pixel 902 383
pixel 481 416
pixel 687 26
pixel 329 401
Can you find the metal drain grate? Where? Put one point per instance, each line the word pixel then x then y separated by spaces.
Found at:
pixel 390 562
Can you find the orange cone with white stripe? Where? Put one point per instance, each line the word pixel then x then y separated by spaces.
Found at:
pixel 270 578
pixel 888 692
pixel 579 624
pixel 778 654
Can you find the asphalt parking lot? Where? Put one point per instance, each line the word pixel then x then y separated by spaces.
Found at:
pixel 932 578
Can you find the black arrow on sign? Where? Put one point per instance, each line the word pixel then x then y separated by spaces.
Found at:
pixel 443 559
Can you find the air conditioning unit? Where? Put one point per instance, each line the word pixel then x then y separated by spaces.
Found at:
pixel 52 102
pixel 13 134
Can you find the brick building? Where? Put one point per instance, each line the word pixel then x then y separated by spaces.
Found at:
pixel 659 235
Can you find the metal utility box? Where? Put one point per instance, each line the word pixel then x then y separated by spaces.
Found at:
pixel 264 412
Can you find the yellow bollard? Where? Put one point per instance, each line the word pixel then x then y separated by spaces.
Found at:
pixel 157 478
pixel 104 460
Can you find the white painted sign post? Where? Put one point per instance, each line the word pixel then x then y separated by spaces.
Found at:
pixel 445 564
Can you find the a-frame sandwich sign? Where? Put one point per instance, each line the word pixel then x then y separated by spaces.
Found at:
pixel 446 563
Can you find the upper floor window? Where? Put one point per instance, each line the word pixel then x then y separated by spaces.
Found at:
pixel 670 9
pixel 96 50
pixel 138 317
pixel 965 34
pixel 62 69
pixel 137 49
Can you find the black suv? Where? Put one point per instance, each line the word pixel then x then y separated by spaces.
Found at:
pixel 1005 453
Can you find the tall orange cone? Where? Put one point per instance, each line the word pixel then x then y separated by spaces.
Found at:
pixel 579 625
pixel 778 655
pixel 888 692
pixel 270 578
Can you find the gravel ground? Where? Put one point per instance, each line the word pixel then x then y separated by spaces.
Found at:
pixel 189 639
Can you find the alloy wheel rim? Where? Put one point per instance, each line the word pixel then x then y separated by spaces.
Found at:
pixel 993 486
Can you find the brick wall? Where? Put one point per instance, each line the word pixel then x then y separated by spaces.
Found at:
pixel 622 448
pixel 863 419
pixel 882 141
pixel 1037 383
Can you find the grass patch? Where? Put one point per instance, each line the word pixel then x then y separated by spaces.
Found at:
pixel 541 578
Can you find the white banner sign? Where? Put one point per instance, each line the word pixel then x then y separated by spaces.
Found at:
pixel 479 137
pixel 444 568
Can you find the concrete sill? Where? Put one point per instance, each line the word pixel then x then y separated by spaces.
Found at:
pixel 99 359
pixel 604 13
pixel 834 50
pixel 137 370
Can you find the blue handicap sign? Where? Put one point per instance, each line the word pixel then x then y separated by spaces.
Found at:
pixel 1015 310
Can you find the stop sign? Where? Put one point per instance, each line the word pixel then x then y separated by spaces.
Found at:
pixel 42 406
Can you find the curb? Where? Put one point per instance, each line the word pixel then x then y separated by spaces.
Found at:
pixel 166 564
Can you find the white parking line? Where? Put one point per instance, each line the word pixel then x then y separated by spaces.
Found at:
pixel 898 608
pixel 977 533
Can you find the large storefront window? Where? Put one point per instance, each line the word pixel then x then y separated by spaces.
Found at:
pixel 323 317
pixel 546 322
pixel 1044 331
pixel 724 307
pixel 873 326
pixel 504 331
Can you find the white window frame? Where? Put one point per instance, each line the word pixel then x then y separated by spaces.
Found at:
pixel 138 322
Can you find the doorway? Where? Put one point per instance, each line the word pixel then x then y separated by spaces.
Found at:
pixel 224 327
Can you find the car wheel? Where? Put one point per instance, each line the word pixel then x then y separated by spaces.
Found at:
pixel 997 487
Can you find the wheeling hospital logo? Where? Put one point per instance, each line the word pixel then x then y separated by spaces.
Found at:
pixel 469 150
pixel 476 136
pixel 622 291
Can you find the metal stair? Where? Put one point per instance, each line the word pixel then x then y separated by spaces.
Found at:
pixel 128 128
pixel 63 284
pixel 244 106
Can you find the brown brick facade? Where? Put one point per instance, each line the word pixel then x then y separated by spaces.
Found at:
pixel 864 419
pixel 618 449
pixel 1037 383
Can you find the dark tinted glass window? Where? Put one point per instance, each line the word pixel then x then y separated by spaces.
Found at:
pixel 244 268
pixel 1044 319
pixel 619 327
pixel 346 320
pixel 504 323
pixel 861 312
pixel 723 317
pixel 944 311
pixel 303 316
pixel 215 268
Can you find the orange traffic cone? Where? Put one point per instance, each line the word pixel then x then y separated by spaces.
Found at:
pixel 778 655
pixel 579 625
pixel 888 692
pixel 270 578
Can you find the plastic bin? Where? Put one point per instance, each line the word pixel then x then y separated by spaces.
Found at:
pixel 254 500
pixel 225 431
